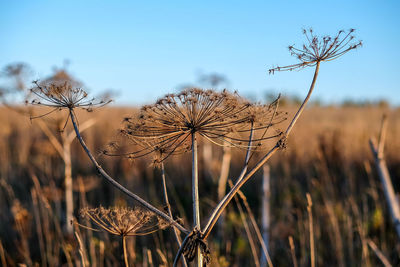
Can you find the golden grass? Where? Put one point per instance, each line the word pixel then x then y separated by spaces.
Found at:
pixel 327 155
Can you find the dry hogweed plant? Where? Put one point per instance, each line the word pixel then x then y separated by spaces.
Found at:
pixel 60 96
pixel 123 222
pixel 222 118
pixel 158 162
pixel 174 121
pixel 315 51
pixel 64 96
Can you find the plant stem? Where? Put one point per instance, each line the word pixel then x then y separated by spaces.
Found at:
pixel 293 251
pixel 248 233
pixel 311 229
pixel 118 185
pixel 247 158
pixel 225 201
pixel 124 251
pixel 383 172
pixel 195 194
pixel 69 194
pixel 303 105
pixel 176 231
pixel 240 182
pixel 255 227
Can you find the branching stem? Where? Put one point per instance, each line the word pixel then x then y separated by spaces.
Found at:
pixel 240 182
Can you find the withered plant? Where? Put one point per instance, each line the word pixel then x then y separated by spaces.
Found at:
pixel 219 117
pixel 178 118
pixel 60 96
pixel 123 222
pixel 222 118
pixel 315 51
pixel 64 96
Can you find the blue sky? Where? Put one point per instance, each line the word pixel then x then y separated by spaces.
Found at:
pixel 145 49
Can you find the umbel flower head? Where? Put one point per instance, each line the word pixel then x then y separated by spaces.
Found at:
pixel 124 221
pixel 320 49
pixel 168 125
pixel 63 95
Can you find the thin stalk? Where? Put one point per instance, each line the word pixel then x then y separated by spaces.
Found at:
pixel 256 228
pixel 265 215
pixel 247 158
pixel 180 251
pixel 226 160
pixel 311 229
pixel 166 200
pixel 124 251
pixel 248 233
pixel 118 185
pixel 303 105
pixel 384 175
pixel 64 150
pixel 195 194
pixel 69 197
pixel 224 173
pixel 81 249
pixel 293 251
pixel 222 181
pixel 379 253
pixel 240 182
pixel 225 201
pixel 39 231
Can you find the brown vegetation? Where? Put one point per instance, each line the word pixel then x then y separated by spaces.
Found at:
pixel 327 155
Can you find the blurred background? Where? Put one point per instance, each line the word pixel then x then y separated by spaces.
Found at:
pixel 136 52
pixel 144 50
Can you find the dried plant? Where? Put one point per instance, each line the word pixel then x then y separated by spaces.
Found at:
pixel 168 125
pixel 63 95
pixel 60 96
pixel 174 123
pixel 314 53
pixel 319 49
pixel 220 117
pixel 66 97
pixel 123 221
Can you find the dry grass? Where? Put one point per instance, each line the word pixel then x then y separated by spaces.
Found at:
pixel 327 155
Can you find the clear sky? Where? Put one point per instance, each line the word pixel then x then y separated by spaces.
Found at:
pixel 145 49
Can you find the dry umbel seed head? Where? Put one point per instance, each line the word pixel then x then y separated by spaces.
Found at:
pixel 124 221
pixel 62 96
pixel 166 127
pixel 319 49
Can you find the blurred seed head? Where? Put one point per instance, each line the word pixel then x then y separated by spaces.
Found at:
pixel 63 95
pixel 124 221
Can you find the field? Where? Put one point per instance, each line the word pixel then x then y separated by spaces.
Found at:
pixel 327 156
